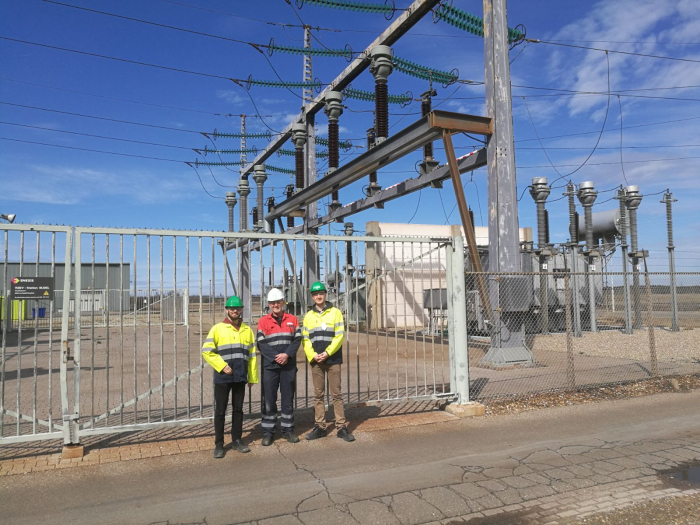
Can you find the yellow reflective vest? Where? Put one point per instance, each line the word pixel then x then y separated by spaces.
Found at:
pixel 236 348
pixel 324 332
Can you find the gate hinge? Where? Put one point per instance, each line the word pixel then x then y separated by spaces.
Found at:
pixel 66 352
pixel 67 418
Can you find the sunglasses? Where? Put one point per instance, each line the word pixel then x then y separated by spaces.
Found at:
pixel 314 294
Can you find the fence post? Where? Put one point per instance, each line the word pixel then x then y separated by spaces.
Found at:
pixel 650 323
pixel 70 423
pixel 458 298
pixel 570 371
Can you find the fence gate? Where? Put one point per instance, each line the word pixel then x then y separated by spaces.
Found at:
pixel 146 300
pixel 34 370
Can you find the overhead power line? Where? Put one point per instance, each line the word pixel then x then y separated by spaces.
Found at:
pixel 616 51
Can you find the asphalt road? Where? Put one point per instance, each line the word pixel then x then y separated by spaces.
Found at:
pixel 407 476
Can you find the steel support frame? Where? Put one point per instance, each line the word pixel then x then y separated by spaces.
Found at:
pixel 427 129
pixel 410 17
pixel 508 333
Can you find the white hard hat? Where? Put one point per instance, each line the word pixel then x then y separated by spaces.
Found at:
pixel 275 294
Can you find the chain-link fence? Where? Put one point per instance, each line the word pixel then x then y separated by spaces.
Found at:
pixel 564 331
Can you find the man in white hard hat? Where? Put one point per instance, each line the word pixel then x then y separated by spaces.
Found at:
pixel 278 341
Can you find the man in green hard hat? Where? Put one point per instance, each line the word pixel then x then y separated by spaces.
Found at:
pixel 230 350
pixel 322 336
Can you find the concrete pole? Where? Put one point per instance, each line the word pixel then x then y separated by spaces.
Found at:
pixel 231 203
pixel 669 200
pixel 458 298
pixel 260 177
pixel 587 196
pixel 621 195
pixel 508 330
pixel 311 258
pixel 573 251
pixel 634 198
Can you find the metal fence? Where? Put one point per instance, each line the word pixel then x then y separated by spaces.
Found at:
pixel 587 330
pixel 132 348
pixel 126 356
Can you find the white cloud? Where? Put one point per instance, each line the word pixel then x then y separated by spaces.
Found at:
pixel 230 96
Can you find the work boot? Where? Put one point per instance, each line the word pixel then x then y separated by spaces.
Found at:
pixel 290 437
pixel 240 446
pixel 345 435
pixel 267 440
pixel 219 452
pixel 316 433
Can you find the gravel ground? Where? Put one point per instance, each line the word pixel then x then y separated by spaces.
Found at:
pixel 682 346
pixel 592 395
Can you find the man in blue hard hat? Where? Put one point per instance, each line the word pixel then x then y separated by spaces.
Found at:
pixel 230 350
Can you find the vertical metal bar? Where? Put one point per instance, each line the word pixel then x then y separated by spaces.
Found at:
pixel 136 302
pixel 36 335
pixel 405 316
pixel 74 427
pixel 121 329
pixel 175 385
pixel 396 318
pixel 51 312
pixel 201 334
pixel 92 324
pixel 6 318
pixel 21 311
pixel 449 285
pixel 162 340
pixel 384 293
pixel 186 313
pixel 413 314
pixel 148 323
pixel 422 283
pixel 570 370
pixel 357 319
pixel 108 308
pixel 442 321
pixel 432 319
pixel 346 317
pixel 650 323
pixel 65 350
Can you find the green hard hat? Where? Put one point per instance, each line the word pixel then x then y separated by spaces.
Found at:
pixel 234 302
pixel 318 286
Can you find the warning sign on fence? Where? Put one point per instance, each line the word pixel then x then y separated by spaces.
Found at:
pixel 32 288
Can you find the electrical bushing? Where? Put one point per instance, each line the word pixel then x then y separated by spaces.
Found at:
pixel 381 67
pixel 259 176
pixel 231 203
pixel 333 110
pixel 587 196
pixel 299 139
pixel 243 192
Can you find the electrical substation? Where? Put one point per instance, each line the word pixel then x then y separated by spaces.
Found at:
pixel 435 313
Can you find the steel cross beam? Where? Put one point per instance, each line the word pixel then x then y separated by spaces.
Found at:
pixel 410 17
pixel 427 129
pixel 474 161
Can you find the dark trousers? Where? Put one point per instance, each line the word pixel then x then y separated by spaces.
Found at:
pixel 284 380
pixel 221 395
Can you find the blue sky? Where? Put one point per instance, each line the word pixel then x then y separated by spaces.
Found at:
pixel 44 184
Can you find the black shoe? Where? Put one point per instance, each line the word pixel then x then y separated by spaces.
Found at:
pixel 316 433
pixel 290 437
pixel 240 446
pixel 344 434
pixel 219 452
pixel 267 440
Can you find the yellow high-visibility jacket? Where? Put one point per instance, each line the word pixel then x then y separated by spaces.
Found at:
pixel 236 348
pixel 324 332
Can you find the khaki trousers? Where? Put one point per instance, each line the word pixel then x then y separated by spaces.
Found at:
pixel 319 371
